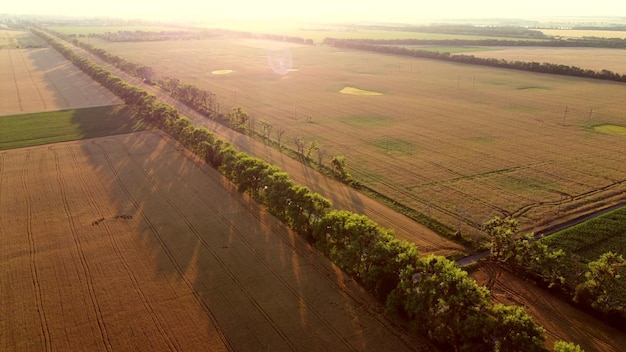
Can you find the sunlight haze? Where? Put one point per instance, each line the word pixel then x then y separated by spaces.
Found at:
pixel 321 9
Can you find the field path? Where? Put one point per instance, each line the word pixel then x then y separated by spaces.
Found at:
pixel 130 243
pixel 342 196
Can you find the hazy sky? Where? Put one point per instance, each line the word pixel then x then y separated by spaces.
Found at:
pixel 350 9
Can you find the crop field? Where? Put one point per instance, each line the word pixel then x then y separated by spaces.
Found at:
pixel 58 126
pixel 591 239
pixel 129 243
pixel 457 142
pixel 35 80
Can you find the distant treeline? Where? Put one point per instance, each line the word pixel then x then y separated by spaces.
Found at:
pixel 600 28
pixel 586 42
pixel 438 298
pixel 151 36
pixel 533 66
pixel 462 29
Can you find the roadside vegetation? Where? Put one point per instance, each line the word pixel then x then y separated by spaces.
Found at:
pixel 437 298
pixel 585 264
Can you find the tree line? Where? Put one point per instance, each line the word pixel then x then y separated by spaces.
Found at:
pixel 437 298
pixel 533 66
pixel 586 42
pixel 598 286
pixel 195 34
pixel 462 29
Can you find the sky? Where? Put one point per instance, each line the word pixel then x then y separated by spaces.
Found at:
pixel 318 9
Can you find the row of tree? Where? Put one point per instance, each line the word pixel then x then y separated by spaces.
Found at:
pixel 440 299
pixel 462 29
pixel 201 100
pixel 190 34
pixel 586 42
pixel 598 286
pixel 544 67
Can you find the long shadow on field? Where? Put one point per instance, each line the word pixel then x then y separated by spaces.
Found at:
pixel 215 269
pixel 64 87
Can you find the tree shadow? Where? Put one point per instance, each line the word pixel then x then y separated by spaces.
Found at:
pixel 258 285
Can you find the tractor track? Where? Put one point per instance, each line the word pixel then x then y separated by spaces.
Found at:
pixel 87 275
pixel 165 248
pixel 43 321
pixel 258 306
pixel 171 342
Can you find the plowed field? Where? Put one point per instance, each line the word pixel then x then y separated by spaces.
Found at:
pixel 126 243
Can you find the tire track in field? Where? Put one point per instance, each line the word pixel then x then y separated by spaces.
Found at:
pixel 32 80
pixel 166 249
pixel 172 343
pixel 310 307
pixel 219 260
pixel 17 89
pixel 43 321
pixel 81 255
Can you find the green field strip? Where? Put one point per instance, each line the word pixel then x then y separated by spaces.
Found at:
pixel 17 131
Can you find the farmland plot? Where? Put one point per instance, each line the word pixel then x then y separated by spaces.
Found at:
pixel 458 142
pixel 127 243
pixel 35 80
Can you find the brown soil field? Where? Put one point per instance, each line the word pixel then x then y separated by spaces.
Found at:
pixel 587 58
pixel 460 143
pixel 128 243
pixel 35 80
pixel 561 320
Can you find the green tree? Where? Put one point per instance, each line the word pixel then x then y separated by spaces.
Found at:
pixel 238 119
pixel 339 168
pixel 447 305
pixel 562 346
pixel 304 208
pixel 514 330
pixel 502 244
pixel 604 285
pixel 279 189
